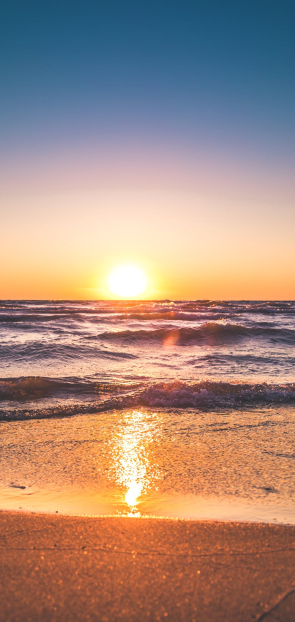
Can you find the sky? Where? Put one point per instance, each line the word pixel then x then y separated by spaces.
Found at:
pixel 160 134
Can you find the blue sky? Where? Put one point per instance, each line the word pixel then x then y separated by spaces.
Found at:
pixel 189 71
pixel 159 96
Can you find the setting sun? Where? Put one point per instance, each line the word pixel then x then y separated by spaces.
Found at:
pixel 127 281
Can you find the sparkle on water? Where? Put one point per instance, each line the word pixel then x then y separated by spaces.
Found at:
pixel 131 458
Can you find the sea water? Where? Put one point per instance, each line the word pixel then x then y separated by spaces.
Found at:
pixel 152 408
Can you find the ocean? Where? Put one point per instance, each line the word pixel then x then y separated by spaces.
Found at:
pixel 153 408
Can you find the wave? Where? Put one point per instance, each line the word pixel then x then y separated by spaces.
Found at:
pixel 111 316
pixel 35 317
pixel 168 315
pixel 211 394
pixel 31 388
pixel 202 396
pixel 210 331
pixel 40 351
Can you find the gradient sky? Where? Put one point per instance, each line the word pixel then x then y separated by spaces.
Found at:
pixel 157 133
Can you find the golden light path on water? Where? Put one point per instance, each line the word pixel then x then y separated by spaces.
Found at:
pixel 131 458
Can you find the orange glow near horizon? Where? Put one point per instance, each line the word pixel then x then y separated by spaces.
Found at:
pixel 197 231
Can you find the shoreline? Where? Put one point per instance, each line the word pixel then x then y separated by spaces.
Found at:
pixel 86 504
pixel 59 567
pixel 154 517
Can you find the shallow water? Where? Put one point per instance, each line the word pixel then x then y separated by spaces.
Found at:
pixel 181 409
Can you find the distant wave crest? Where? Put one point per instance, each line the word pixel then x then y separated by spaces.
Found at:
pixel 209 331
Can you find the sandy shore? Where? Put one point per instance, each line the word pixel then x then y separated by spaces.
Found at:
pixel 106 569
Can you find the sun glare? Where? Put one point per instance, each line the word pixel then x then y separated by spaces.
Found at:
pixel 127 281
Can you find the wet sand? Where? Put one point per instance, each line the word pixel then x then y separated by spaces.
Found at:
pixel 69 568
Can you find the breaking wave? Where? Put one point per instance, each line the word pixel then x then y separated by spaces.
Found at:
pixel 202 396
pixel 211 394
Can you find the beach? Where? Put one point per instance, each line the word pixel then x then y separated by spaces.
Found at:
pixel 111 568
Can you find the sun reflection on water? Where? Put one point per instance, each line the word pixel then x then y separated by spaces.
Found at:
pixel 133 493
pixel 133 470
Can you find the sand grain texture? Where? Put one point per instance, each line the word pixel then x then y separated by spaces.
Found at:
pixel 106 569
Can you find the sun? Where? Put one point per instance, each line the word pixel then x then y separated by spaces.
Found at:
pixel 127 281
